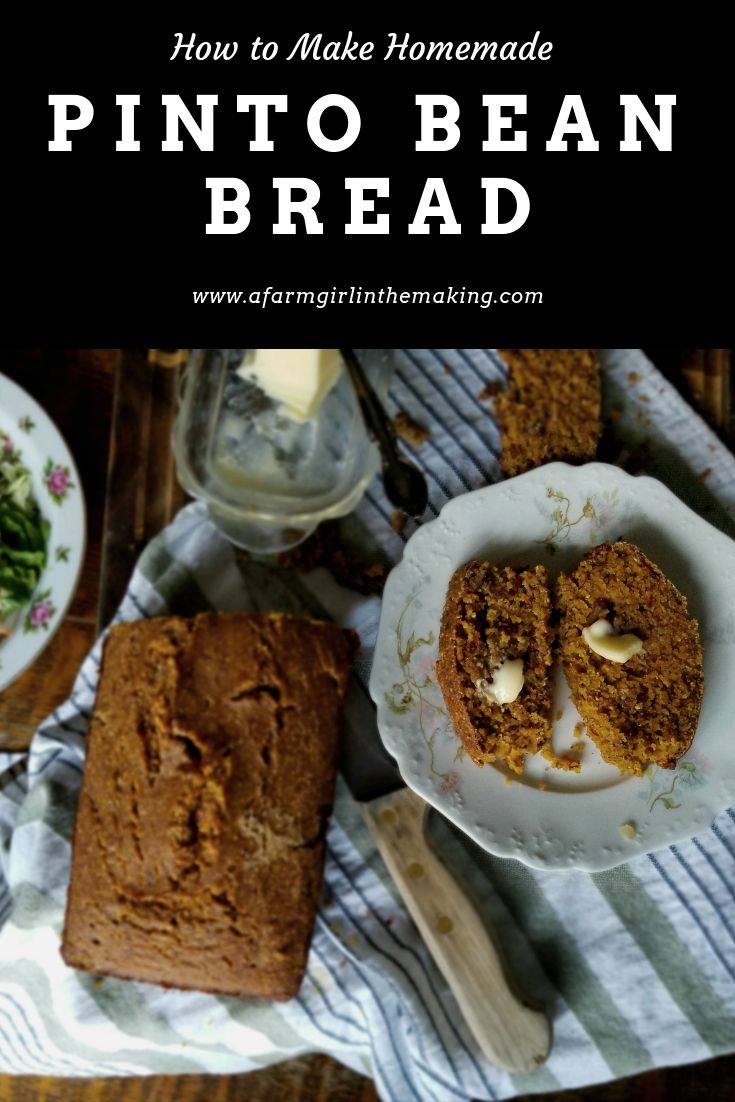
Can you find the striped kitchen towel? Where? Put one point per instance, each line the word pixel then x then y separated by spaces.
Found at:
pixel 637 965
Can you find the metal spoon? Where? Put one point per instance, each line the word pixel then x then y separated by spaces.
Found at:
pixel 405 485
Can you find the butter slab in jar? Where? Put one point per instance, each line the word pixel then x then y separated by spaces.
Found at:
pixel 273 440
pixel 298 378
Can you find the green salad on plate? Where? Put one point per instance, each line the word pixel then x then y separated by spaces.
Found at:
pixel 24 533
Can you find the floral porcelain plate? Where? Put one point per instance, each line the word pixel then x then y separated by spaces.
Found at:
pixel 548 818
pixel 30 436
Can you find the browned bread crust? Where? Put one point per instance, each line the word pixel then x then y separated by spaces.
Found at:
pixel 199 841
pixel 550 409
pixel 646 709
pixel 492 614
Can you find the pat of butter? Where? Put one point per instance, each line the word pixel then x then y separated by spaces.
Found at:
pixel 299 378
pixel 506 683
pixel 600 638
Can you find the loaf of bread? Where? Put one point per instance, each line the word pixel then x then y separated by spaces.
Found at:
pixel 644 709
pixel 493 616
pixel 200 835
pixel 550 409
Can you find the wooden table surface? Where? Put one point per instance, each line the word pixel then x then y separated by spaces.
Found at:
pixel 87 391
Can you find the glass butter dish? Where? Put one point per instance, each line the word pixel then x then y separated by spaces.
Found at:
pixel 270 477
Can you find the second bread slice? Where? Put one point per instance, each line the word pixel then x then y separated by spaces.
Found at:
pixel 645 709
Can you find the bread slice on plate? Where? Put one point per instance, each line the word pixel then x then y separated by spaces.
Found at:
pixel 644 708
pixel 495 660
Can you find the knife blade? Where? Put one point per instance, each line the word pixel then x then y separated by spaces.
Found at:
pixel 509 1033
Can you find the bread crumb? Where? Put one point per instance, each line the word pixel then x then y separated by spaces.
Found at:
pixel 322 549
pixel 633 377
pixel 578 730
pixel 542 786
pixel 314 551
pixel 508 780
pixel 490 390
pixel 559 714
pixel 644 398
pixel 706 473
pixel 398 520
pixel 628 830
pixel 637 460
pixel 410 430
pixel 615 414
pixel 570 763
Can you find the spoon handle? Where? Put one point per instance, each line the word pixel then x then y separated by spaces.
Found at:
pixel 376 419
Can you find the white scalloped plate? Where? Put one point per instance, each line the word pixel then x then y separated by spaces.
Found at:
pixel 551 819
pixel 58 489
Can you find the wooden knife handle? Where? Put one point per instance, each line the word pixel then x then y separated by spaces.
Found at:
pixel 509 1033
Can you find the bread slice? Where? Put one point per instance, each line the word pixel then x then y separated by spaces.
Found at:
pixel 645 709
pixel 551 407
pixel 493 614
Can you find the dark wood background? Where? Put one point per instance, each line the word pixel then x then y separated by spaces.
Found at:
pixel 115 409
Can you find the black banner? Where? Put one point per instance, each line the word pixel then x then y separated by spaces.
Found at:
pixel 496 233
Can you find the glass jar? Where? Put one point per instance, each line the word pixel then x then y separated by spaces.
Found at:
pixel 268 479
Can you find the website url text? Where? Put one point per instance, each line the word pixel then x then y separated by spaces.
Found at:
pixel 362 296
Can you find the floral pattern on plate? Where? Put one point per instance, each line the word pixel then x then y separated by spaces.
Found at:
pixel 419 692
pixel 58 481
pixel 40 613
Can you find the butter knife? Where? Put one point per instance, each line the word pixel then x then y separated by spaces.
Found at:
pixel 509 1033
